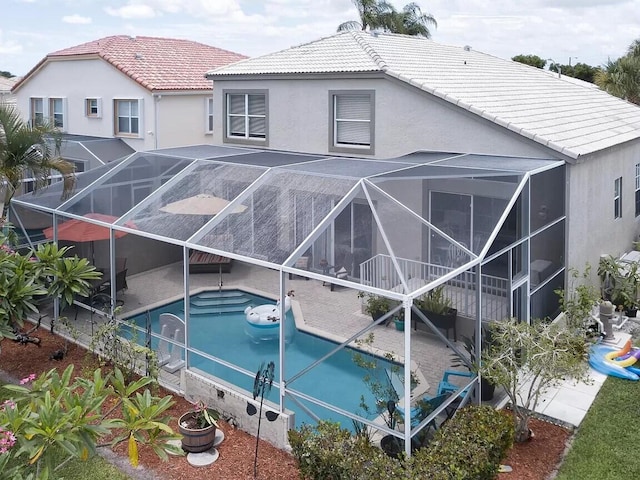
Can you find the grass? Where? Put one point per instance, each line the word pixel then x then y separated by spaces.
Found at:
pixel 605 446
pixel 95 468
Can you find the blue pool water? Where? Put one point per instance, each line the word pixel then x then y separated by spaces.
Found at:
pixel 218 327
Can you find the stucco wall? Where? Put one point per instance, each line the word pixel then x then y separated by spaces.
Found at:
pixel 180 121
pixel 593 230
pixel 406 119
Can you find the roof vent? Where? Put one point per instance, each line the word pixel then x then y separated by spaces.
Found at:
pixel 139 56
pixel 467 48
pixel 375 32
pixel 131 37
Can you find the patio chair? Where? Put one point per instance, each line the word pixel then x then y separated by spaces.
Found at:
pixel 424 407
pixel 341 269
pixel 446 386
pixel 456 255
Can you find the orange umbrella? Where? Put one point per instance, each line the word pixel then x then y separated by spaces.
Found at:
pixel 76 230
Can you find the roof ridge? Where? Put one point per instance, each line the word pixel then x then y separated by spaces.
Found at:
pixel 369 50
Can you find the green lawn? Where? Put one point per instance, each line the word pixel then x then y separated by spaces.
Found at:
pixel 605 446
pixel 95 468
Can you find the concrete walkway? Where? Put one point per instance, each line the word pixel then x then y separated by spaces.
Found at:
pixel 570 402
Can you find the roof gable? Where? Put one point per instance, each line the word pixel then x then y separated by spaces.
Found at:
pixel 153 62
pixel 571 117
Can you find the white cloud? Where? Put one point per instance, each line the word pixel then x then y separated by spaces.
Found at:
pixel 132 11
pixel 9 46
pixel 76 19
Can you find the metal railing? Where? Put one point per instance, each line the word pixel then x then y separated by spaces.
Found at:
pixel 380 272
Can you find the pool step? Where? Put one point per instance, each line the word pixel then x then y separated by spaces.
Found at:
pixel 212 310
pixel 220 294
pixel 210 302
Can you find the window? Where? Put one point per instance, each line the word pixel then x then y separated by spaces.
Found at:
pixel 37 111
pixel 209 115
pixel 127 117
pixel 352 121
pixel 56 111
pixel 246 117
pixel 93 108
pixel 637 189
pixel 617 198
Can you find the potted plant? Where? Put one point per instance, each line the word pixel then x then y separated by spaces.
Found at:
pixel 487 388
pixel 375 305
pixel 625 292
pixel 398 321
pixel 437 307
pixel 198 428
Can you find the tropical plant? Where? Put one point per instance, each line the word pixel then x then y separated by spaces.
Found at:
pixel 30 150
pixel 60 412
pixel 27 278
pixel 540 355
pixel 578 300
pixel 376 305
pixel 204 416
pixel 435 301
pixel 379 14
pixel 621 77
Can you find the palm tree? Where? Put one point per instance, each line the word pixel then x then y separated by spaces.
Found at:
pixel 380 14
pixel 621 78
pixel 373 14
pixel 411 21
pixel 28 150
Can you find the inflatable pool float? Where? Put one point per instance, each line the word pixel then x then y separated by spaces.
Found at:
pixel 602 359
pixel 267 315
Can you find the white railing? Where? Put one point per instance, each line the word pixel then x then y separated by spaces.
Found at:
pixel 380 272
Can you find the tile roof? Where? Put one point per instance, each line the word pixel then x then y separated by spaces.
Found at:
pixel 155 63
pixel 569 116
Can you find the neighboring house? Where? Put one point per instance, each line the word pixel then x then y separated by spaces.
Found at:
pixel 150 92
pixel 6 84
pixel 384 95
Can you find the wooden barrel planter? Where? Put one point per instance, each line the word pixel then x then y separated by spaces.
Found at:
pixel 195 440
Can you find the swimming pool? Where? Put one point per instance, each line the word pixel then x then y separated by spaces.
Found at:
pixel 217 326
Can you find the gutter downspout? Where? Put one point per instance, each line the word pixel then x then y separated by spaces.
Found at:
pixel 156 100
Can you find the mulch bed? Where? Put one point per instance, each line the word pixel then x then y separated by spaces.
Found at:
pixel 536 459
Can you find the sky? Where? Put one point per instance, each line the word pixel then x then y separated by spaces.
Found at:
pixel 564 31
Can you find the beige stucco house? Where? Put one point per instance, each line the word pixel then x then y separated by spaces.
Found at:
pixel 150 92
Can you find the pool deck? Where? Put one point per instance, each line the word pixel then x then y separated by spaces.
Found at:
pixel 336 315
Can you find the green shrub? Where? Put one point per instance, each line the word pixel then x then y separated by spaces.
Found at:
pixel 468 447
pixel 327 452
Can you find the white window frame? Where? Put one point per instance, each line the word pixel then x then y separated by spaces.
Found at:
pixel 335 145
pixel 208 127
pixel 91 104
pixel 248 137
pixel 130 117
pixel 617 198
pixel 37 116
pixel 57 112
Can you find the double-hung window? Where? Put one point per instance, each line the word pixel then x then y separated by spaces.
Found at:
pixel 37 111
pixel 209 128
pixel 56 112
pixel 352 121
pixel 246 117
pixel 127 113
pixel 617 198
pixel 637 189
